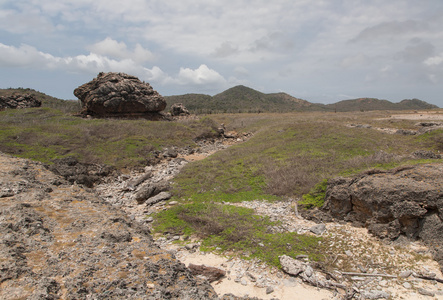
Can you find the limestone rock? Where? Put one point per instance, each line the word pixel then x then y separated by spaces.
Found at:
pixel 150 190
pixel 119 95
pixel 71 244
pixel 19 101
pixel 211 273
pixel 404 201
pixel 178 109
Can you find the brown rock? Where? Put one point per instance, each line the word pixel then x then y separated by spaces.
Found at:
pixel 178 109
pixel 211 273
pixel 19 101
pixel 404 201
pixel 119 95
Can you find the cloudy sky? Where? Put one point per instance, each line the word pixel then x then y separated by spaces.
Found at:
pixel 319 50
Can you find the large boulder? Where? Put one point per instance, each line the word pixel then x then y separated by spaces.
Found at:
pixel 119 95
pixel 19 101
pixel 405 201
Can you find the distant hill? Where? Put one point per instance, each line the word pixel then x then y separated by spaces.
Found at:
pixel 47 101
pixel 243 99
pixel 367 104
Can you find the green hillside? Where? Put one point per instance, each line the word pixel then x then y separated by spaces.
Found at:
pixel 241 99
pixel 370 104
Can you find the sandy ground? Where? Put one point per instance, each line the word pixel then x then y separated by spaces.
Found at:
pixel 289 288
pixel 419 115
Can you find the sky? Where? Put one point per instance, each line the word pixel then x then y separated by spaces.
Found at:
pixel 322 51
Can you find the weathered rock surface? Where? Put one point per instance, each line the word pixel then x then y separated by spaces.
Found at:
pixel 405 201
pixel 211 273
pixel 19 101
pixel 74 171
pixel 60 241
pixel 119 95
pixel 178 109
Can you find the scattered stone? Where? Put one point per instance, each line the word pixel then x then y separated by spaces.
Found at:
pixel 424 292
pixel 211 273
pixel 269 290
pixel 318 229
pixel 134 182
pixel 348 253
pixel 150 190
pixel 375 295
pixel 405 274
pixel 291 266
pixel 173 203
pixel 407 285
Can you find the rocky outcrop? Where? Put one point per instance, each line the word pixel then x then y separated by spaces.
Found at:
pixel 19 101
pixel 76 172
pixel 405 201
pixel 178 109
pixel 119 95
pixel 61 241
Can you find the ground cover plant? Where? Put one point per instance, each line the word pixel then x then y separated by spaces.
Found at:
pixel 236 230
pixel 288 156
pixel 46 134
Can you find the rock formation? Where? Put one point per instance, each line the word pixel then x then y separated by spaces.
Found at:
pixel 119 95
pixel 405 201
pixel 19 101
pixel 178 109
pixel 60 241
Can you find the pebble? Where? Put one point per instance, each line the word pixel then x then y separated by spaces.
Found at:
pixel 407 285
pixel 405 274
pixel 173 203
pixel 269 290
pixel 425 292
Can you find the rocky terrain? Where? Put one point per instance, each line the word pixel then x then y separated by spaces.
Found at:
pixel 62 241
pixel 78 231
pixel 19 101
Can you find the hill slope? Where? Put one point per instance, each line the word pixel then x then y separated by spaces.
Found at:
pixel 243 99
pixel 240 99
pixel 369 104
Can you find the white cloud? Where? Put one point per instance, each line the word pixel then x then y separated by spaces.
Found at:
pixel 119 50
pixel 434 61
pixel 201 76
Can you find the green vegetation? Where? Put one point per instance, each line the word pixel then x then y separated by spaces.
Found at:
pixel 289 155
pixel 236 230
pixel 45 134
pixel 241 99
pixel 316 196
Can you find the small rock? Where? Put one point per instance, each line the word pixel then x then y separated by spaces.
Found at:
pixel 173 203
pixel 407 285
pixel 375 294
pixel 318 229
pixel 211 273
pixel 269 290
pixel 348 253
pixel 150 220
pixel 405 274
pixel 244 282
pixel 426 292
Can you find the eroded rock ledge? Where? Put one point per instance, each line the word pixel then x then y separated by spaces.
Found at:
pixel 61 241
pixel 403 202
